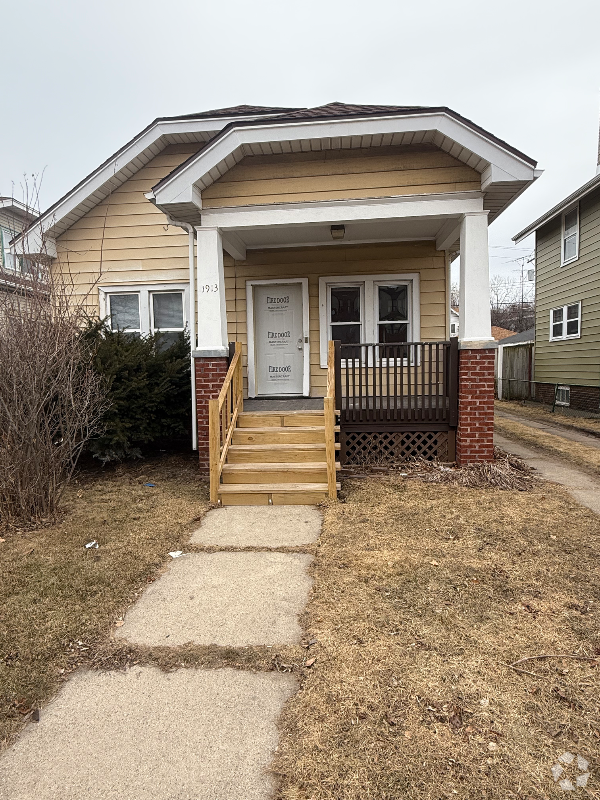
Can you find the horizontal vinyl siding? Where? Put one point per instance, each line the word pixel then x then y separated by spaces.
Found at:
pixel 340 174
pixel 126 239
pixel 574 361
pixel 313 263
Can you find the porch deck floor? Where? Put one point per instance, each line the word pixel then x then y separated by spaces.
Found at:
pixel 284 404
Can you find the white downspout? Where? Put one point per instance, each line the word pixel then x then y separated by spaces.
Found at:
pixel 192 319
pixel 191 239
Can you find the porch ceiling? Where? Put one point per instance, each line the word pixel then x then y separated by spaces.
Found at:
pixel 387 230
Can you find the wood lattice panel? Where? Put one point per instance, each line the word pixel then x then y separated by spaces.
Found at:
pixel 388 447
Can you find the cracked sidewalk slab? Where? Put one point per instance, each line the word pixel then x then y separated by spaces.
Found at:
pixel 151 735
pixel 259 526
pixel 232 599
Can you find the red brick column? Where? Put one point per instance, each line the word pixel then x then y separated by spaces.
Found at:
pixel 475 433
pixel 210 374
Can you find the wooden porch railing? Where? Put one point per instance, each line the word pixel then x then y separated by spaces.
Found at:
pixel 330 414
pixel 398 385
pixel 223 413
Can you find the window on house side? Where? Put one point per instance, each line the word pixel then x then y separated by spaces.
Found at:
pixel 8 258
pixel 565 322
pixel 563 395
pixel 570 236
pixel 145 310
pixel 124 310
pixel 167 316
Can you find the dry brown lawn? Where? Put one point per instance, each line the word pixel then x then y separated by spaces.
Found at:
pixel 60 601
pixel 580 454
pixel 541 414
pixel 423 594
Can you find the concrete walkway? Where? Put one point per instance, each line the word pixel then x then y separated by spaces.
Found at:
pixel 190 734
pixel 583 487
pixel 572 435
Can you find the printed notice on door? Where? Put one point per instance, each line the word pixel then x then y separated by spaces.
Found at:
pixel 279 343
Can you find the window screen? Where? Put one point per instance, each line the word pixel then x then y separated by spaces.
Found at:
pixel 167 316
pixel 346 314
pixel 125 312
pixel 570 231
pixel 557 323
pixel 393 314
pixel 168 311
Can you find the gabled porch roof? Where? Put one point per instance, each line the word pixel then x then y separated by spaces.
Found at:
pixel 505 171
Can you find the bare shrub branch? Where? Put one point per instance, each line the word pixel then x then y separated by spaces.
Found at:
pixel 51 399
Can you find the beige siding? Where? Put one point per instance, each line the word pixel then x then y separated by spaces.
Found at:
pixel 126 239
pixel 340 174
pixel 316 262
pixel 574 361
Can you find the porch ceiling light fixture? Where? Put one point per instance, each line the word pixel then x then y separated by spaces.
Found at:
pixel 338 231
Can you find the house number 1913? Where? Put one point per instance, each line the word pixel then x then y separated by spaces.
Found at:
pixel 210 287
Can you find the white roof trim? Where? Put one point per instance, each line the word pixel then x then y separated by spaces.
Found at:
pixel 584 190
pixel 230 146
pixel 125 163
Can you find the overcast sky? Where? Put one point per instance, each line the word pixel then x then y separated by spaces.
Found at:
pixel 81 79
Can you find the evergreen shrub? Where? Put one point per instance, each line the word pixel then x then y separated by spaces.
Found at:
pixel 148 389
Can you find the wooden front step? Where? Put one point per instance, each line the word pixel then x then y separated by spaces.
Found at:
pixel 271 453
pixel 280 435
pixel 273 419
pixel 281 472
pixel 277 494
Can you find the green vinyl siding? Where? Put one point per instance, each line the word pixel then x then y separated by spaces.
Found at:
pixel 572 361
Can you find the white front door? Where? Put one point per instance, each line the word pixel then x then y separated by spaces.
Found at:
pixel 279 344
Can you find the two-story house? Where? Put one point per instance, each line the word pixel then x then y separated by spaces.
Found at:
pixel 566 367
pixel 14 218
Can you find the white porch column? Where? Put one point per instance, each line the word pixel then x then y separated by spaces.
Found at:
pixel 210 283
pixel 475 328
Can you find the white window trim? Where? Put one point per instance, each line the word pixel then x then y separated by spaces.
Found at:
pixel 564 262
pixel 369 322
pixel 564 322
pixel 144 290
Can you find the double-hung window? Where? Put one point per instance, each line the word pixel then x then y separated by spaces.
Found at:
pixel 8 259
pixel 368 309
pixel 144 310
pixel 570 236
pixel 565 322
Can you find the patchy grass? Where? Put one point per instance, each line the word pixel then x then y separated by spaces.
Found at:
pixel 423 594
pixel 580 454
pixel 60 601
pixel 541 414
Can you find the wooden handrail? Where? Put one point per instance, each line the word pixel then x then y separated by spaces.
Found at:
pixel 329 410
pixel 223 413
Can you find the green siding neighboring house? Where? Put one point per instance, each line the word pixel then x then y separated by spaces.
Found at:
pixel 567 319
